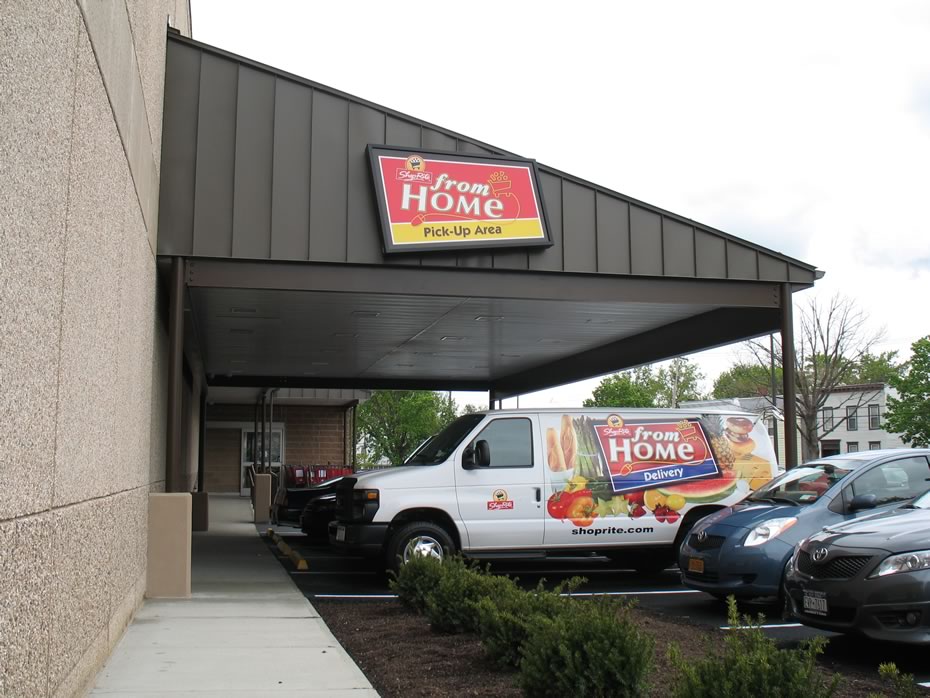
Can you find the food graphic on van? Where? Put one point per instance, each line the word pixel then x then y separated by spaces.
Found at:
pixel 643 454
pixel 619 467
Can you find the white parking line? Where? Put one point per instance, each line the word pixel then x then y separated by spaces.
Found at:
pixel 370 574
pixel 634 593
pixel 355 596
pixel 767 626
pixel 583 571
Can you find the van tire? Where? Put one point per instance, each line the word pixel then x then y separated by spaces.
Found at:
pixel 418 537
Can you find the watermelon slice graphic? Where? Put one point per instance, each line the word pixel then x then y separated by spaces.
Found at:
pixel 711 490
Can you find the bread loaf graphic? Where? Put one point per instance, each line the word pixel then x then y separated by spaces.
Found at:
pixel 554 450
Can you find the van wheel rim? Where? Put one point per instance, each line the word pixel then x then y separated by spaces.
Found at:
pixel 423 546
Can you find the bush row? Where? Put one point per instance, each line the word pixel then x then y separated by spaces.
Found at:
pixel 562 645
pixel 559 645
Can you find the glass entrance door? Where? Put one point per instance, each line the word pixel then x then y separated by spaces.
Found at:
pixel 274 452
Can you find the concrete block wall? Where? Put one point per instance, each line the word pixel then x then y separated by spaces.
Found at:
pixel 82 350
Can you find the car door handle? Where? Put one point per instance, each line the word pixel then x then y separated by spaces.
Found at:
pixel 538 494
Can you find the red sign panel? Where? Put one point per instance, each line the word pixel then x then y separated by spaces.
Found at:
pixel 648 454
pixel 437 201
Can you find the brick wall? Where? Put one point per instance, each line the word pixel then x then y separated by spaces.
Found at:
pixel 221 460
pixel 312 436
pixel 315 435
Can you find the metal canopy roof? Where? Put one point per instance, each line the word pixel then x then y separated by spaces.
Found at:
pixel 266 191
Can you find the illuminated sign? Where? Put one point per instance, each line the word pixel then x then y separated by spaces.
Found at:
pixel 431 201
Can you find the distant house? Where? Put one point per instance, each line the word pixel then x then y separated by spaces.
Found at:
pixel 853 417
pixel 851 420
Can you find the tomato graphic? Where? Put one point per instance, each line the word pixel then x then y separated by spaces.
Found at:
pixel 558 504
pixel 582 510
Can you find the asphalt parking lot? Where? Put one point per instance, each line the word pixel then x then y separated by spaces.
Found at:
pixel 335 576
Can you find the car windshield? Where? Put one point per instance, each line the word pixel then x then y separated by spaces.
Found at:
pixel 445 442
pixel 802 485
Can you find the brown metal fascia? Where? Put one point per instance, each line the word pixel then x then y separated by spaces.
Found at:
pixel 705 331
pixel 281 74
pixel 470 283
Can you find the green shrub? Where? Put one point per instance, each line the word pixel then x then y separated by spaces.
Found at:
pixel 753 665
pixel 452 606
pixel 416 580
pixel 505 621
pixel 902 685
pixel 591 649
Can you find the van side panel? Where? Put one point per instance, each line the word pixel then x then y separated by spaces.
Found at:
pixel 628 478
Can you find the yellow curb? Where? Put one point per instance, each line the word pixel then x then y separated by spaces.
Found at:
pixel 299 562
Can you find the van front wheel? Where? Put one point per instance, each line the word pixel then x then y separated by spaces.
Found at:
pixel 419 538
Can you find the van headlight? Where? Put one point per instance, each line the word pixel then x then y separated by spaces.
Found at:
pixel 769 530
pixel 904 562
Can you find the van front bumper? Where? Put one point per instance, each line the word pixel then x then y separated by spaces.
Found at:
pixel 366 539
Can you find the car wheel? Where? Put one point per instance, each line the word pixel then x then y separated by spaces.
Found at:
pixel 419 538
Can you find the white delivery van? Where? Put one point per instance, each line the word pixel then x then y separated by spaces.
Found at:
pixel 628 483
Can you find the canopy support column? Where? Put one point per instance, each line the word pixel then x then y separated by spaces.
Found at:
pixel 788 377
pixel 173 469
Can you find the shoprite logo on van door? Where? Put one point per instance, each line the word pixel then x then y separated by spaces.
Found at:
pixel 436 201
pixel 641 454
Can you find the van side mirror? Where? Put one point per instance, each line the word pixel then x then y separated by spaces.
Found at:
pixel 863 501
pixel 483 453
pixel 477 456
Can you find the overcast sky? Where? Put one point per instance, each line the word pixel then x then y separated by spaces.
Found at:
pixel 800 126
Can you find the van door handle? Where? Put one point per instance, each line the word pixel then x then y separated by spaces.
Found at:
pixel 538 494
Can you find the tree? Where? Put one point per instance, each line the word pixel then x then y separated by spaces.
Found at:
pixel 877 368
pixel 909 415
pixel 831 341
pixel 668 386
pixel 745 380
pixel 634 388
pixel 392 423
pixel 677 383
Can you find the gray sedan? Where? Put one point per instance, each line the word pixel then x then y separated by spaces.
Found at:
pixel 871 576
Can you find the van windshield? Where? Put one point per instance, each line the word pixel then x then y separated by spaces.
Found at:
pixel 802 485
pixel 445 442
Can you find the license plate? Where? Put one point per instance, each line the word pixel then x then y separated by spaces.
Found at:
pixel 340 533
pixel 815 602
pixel 696 564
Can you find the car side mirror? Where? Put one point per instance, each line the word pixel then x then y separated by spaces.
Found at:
pixel 863 501
pixel 476 456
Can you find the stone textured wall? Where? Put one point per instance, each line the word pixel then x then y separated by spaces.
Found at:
pixel 82 351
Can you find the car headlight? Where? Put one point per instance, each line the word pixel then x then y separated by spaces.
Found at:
pixel 904 562
pixel 770 529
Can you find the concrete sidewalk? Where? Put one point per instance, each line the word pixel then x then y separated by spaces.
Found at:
pixel 246 631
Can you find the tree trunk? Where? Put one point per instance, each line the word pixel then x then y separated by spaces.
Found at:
pixel 810 444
